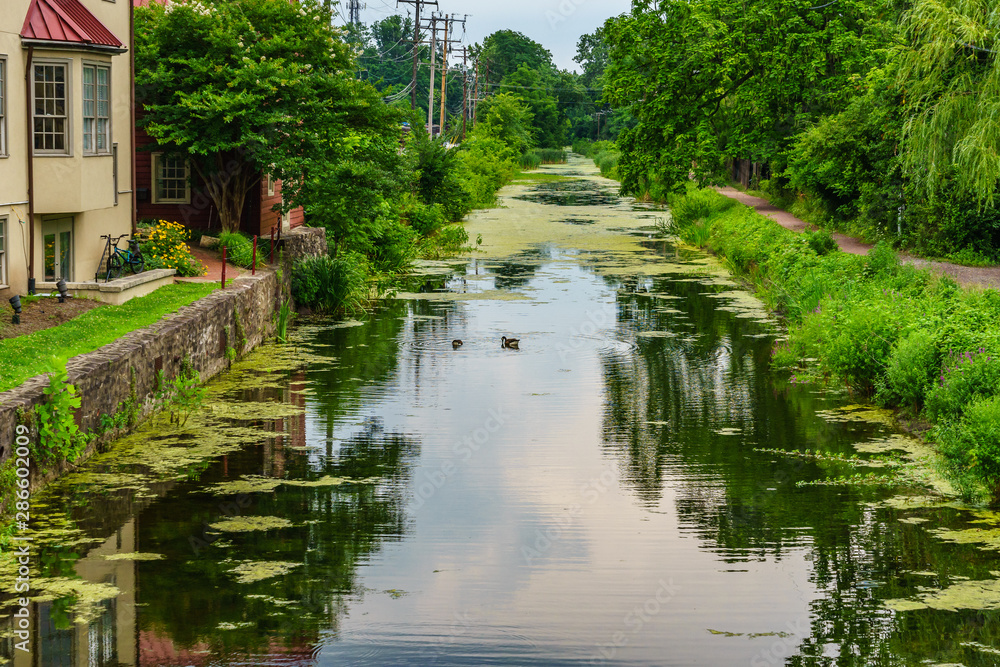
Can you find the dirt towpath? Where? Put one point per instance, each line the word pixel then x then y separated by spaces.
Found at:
pixel 964 275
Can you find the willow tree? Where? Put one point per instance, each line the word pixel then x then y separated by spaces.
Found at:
pixel 951 72
pixel 239 88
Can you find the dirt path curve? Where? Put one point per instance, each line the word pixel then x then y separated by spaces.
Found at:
pixel 964 275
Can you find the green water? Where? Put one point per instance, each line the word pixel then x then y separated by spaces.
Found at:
pixel 368 495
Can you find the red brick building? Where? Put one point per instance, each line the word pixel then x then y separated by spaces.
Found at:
pixel 168 189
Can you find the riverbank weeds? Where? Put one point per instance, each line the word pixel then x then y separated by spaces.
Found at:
pixel 907 339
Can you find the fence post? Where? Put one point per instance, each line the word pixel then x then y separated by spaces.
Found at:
pixel 223 267
pixel 253 268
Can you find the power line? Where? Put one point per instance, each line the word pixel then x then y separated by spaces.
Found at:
pixel 416 40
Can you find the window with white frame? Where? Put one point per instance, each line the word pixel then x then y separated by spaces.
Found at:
pixel 3 106
pixel 269 184
pixel 171 180
pixel 51 93
pixel 3 251
pixel 96 109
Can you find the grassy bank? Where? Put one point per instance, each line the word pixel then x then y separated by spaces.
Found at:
pixel 898 335
pixel 48 350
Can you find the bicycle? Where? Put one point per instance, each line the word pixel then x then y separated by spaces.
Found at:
pixel 119 259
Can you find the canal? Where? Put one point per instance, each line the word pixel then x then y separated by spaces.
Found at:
pixel 632 486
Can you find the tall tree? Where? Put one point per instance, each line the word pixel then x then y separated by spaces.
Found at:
pixel 592 55
pixel 536 90
pixel 240 88
pixel 951 71
pixel 505 51
pixel 711 78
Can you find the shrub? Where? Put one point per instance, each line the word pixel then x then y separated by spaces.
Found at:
pixel 583 147
pixel 487 164
pixel 966 378
pixel 912 367
pixel 239 249
pixel 695 205
pixel 426 219
pixel 971 448
pixel 607 162
pixel 59 436
pixel 166 247
pixel 822 242
pixel 439 179
pixel 860 348
pixel 331 285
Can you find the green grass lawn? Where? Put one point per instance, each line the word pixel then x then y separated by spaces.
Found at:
pixel 45 351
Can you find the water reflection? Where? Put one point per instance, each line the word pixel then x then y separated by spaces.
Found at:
pixel 369 495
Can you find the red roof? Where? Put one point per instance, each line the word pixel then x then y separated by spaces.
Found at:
pixel 66 21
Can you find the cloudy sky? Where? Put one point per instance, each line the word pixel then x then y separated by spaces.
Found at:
pixel 556 24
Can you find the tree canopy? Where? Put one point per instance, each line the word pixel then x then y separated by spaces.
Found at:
pixel 710 78
pixel 241 89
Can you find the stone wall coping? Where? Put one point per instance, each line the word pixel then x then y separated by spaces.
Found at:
pixel 118 284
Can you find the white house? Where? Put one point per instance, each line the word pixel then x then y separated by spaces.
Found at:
pixel 65 138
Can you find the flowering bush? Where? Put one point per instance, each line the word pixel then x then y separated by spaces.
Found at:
pixel 166 248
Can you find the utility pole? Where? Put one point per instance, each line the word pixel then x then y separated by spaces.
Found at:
pixel 354 12
pixel 444 71
pixel 475 99
pixel 465 89
pixel 430 93
pixel 444 65
pixel 416 41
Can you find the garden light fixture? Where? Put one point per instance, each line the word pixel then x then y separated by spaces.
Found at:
pixel 15 303
pixel 61 286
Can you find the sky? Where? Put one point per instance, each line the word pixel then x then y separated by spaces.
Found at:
pixel 555 24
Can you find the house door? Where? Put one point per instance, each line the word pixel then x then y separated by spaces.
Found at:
pixel 58 239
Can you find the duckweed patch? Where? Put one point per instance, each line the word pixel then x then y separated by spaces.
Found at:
pixel 254 411
pixel 486 295
pixel 249 572
pixel 254 484
pixel 246 484
pixel 330 481
pixel 858 413
pixel 972 594
pixel 226 625
pixel 249 524
pixel 86 596
pixel 135 556
pixel 987 539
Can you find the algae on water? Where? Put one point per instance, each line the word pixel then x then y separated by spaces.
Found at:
pixel 973 594
pixel 248 572
pixel 247 524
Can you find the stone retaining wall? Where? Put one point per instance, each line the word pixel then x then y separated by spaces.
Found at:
pixel 201 332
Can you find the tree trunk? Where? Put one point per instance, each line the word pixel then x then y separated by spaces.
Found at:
pixel 228 178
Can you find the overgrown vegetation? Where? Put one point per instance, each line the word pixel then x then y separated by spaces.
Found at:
pixel 604 153
pixel 876 118
pixel 239 250
pixel 330 284
pixel 889 331
pixel 59 437
pixel 185 393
